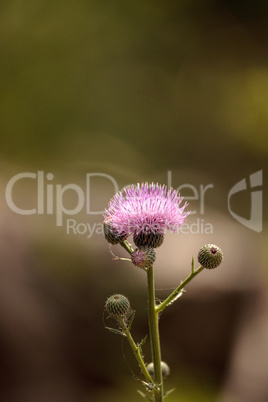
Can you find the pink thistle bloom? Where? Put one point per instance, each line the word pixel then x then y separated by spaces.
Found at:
pixel 146 209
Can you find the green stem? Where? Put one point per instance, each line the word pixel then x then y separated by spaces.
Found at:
pixel 153 312
pixel 137 351
pixel 172 297
pixel 127 246
pixel 154 337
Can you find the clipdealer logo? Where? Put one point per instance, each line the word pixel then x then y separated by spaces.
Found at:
pixel 255 184
pixel 47 193
pixel 51 200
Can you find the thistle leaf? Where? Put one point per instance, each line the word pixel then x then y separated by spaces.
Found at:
pixel 144 396
pixel 169 392
pixel 142 342
pixel 115 331
pixel 131 321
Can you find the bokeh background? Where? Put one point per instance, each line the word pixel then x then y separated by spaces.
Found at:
pixel 174 92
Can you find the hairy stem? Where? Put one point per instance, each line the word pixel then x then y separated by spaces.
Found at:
pixel 177 291
pixel 136 349
pixel 127 246
pixel 154 337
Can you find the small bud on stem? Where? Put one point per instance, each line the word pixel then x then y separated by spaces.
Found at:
pixel 210 256
pixel 117 305
pixel 143 257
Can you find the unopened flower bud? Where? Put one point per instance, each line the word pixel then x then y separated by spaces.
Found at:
pixel 164 368
pixel 117 305
pixel 148 238
pixel 143 257
pixel 210 256
pixel 111 235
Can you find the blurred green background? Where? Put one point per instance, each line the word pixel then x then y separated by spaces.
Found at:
pixel 140 91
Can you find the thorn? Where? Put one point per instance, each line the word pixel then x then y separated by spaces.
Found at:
pixel 192 265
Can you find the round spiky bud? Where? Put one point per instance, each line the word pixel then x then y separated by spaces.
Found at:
pixel 143 257
pixel 148 238
pixel 117 305
pixel 210 256
pixel 164 368
pixel 110 234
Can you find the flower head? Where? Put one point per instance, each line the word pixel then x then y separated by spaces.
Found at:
pixel 146 209
pixel 210 256
pixel 111 236
pixel 143 257
pixel 117 305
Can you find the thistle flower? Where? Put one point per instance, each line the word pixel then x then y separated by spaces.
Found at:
pixel 210 256
pixel 146 211
pixel 143 257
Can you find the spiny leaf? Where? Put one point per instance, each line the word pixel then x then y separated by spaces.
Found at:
pixel 131 321
pixel 142 342
pixel 169 392
pixel 144 396
pixel 115 331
